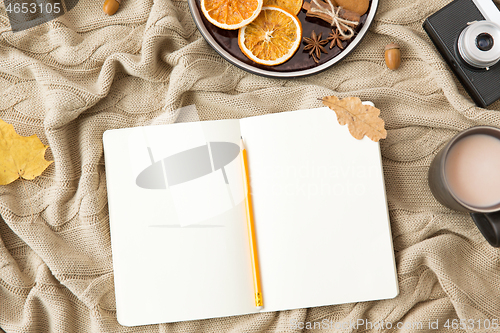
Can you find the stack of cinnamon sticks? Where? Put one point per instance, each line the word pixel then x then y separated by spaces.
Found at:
pixel 325 7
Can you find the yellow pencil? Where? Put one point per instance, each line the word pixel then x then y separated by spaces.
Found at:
pixel 259 302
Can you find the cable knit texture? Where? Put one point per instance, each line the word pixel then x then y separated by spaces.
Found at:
pixel 70 79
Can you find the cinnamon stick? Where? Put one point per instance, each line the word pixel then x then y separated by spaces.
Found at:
pixel 343 13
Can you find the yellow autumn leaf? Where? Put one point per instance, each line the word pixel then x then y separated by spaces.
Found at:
pixel 20 156
pixel 361 119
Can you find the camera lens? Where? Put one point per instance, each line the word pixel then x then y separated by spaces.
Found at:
pixel 484 41
pixel 476 44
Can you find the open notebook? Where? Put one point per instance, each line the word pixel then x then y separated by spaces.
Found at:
pixel 178 224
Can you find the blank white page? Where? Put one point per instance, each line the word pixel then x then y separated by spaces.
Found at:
pixel 165 271
pixel 320 210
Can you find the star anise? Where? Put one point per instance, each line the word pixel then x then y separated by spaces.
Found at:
pixel 336 38
pixel 315 46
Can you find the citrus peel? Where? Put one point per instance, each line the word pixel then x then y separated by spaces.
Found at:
pixel 272 38
pixel 230 14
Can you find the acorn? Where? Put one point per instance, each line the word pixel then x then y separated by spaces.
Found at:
pixel 392 56
pixel 111 6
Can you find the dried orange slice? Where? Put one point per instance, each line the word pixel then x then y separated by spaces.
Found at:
pixel 293 6
pixel 272 38
pixel 231 14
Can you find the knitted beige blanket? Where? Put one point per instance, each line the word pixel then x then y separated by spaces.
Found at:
pixel 74 77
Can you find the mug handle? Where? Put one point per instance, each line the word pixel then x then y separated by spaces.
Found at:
pixel 489 225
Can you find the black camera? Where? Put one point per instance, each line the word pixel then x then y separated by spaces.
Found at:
pixel 467 34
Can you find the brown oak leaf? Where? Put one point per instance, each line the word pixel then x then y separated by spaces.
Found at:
pixel 361 119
